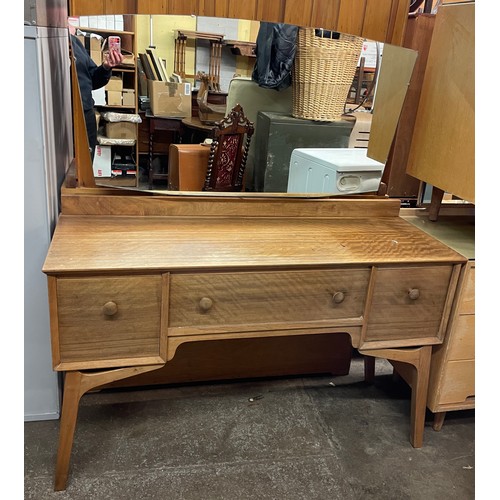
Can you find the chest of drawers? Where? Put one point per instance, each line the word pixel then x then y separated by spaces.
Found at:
pixel 125 291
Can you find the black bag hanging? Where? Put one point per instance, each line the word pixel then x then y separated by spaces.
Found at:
pixel 275 51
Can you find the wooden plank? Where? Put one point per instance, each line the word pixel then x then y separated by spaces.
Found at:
pixel 376 19
pixel 442 153
pixel 78 202
pixel 182 7
pixel 397 22
pixel 120 7
pixel 325 14
pixel 351 16
pixel 79 8
pixel 298 12
pixel 271 11
pixel 242 10
pixel 395 73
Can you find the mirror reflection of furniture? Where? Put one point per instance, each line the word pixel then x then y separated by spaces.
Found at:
pixel 216 42
pixel 229 152
pixel 187 166
pixel 219 166
pixel 142 35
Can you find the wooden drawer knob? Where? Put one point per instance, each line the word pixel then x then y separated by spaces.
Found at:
pixel 414 293
pixel 205 303
pixel 338 297
pixel 110 308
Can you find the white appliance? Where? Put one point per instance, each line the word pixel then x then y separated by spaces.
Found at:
pixel 48 144
pixel 333 171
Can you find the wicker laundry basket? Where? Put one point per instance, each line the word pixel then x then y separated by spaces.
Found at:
pixel 323 72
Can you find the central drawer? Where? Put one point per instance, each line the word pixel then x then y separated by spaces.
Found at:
pixel 266 299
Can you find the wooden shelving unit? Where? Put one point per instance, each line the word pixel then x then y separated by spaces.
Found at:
pixel 128 75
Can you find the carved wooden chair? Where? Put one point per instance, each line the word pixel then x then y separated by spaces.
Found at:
pixel 229 152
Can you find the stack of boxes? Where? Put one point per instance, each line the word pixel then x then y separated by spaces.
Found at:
pixel 116 95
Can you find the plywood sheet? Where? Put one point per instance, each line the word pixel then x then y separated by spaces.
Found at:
pixel 395 73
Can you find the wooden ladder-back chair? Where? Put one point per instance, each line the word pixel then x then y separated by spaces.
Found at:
pixel 229 152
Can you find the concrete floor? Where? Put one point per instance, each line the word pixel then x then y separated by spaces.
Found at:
pixel 300 438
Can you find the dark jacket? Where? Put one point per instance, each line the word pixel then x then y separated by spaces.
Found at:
pixel 275 50
pixel 90 76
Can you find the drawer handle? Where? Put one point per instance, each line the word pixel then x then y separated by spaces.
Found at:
pixel 110 308
pixel 338 297
pixel 205 303
pixel 414 293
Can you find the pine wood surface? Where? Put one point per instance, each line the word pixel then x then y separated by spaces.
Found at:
pixel 134 244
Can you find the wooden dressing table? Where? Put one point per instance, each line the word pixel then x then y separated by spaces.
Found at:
pixel 133 277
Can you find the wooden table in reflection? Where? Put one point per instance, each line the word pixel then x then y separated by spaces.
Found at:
pixel 195 131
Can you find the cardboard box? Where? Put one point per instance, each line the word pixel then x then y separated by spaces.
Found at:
pixel 172 100
pixel 102 161
pixel 128 97
pixel 92 44
pixel 115 84
pixel 121 130
pixel 113 98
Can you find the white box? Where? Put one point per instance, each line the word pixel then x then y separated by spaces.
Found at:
pixel 102 161
pixel 118 23
pixel 99 96
pixel 93 21
pixel 110 22
pixel 333 171
pixel 101 22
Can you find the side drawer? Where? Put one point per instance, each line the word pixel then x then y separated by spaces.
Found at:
pixel 408 304
pixel 106 321
pixel 458 382
pixel 272 300
pixel 462 344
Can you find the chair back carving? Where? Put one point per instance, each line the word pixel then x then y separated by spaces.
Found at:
pixel 229 152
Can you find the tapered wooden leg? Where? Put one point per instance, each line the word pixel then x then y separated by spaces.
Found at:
pixel 437 425
pixel 71 398
pixel 435 205
pixel 413 364
pixel 76 384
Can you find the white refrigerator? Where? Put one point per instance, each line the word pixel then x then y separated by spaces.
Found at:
pixel 48 151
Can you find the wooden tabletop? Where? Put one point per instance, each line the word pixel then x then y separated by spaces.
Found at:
pixel 195 123
pixel 117 244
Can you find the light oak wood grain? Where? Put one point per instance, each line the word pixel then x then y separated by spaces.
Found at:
pixel 272 297
pixel 88 334
pixel 135 244
pixel 395 315
pixel 442 153
pixel 451 385
pixel 106 202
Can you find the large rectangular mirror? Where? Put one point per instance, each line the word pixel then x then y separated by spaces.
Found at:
pixel 189 48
